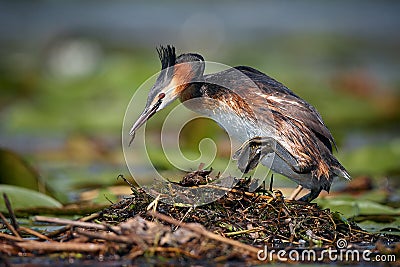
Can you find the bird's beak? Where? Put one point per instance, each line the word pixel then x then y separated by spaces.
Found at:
pixel 147 113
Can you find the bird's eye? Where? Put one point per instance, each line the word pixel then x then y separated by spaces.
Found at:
pixel 161 96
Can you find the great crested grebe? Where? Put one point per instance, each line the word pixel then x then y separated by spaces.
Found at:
pixel 277 128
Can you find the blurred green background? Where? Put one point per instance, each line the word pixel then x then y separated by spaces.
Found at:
pixel 68 70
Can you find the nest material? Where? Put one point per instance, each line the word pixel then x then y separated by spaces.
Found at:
pixel 235 227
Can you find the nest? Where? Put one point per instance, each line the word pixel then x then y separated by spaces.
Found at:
pixel 234 228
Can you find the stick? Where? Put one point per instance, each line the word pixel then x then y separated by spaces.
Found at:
pixel 107 237
pixel 10 237
pixel 233 190
pixel 174 250
pixel 66 228
pixel 184 216
pixel 33 232
pixel 73 223
pixel 296 192
pixel 200 230
pixel 9 226
pixel 125 180
pixel 10 211
pixel 126 239
pixel 256 229
pixel 55 246
pixel 133 254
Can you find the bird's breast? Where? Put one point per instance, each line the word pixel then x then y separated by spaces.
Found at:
pixel 238 126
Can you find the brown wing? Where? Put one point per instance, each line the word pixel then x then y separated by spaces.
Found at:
pixel 289 105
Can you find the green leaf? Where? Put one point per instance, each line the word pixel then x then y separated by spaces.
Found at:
pixel 22 198
pixel 354 207
pixel 386 228
pixel 339 217
pixel 16 171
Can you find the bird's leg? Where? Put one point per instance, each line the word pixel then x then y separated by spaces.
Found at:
pixel 271 145
pixel 248 155
pixel 252 151
pixel 311 196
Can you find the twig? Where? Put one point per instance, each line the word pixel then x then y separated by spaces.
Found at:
pixel 154 203
pixel 73 223
pixel 134 253
pixel 271 182
pixel 184 216
pixel 56 246
pixel 10 237
pixel 125 180
pixel 115 230
pixel 89 217
pixel 360 231
pixel 233 190
pixel 66 228
pixel 247 231
pixel 10 211
pixel 296 192
pixel 128 239
pixel 200 230
pixel 173 250
pixel 109 200
pixel 33 232
pixel 105 236
pixel 9 226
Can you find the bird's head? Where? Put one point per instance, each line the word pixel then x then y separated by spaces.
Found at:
pixel 176 75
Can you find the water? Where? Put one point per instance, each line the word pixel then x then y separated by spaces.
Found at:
pixel 159 21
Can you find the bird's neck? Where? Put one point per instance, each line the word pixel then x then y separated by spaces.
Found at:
pixel 191 91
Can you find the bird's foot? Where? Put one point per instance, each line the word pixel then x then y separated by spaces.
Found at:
pixel 249 154
pixel 253 150
pixel 311 196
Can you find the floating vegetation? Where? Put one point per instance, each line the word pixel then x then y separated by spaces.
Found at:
pixel 234 228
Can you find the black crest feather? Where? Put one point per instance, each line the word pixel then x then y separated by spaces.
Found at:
pixel 167 56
